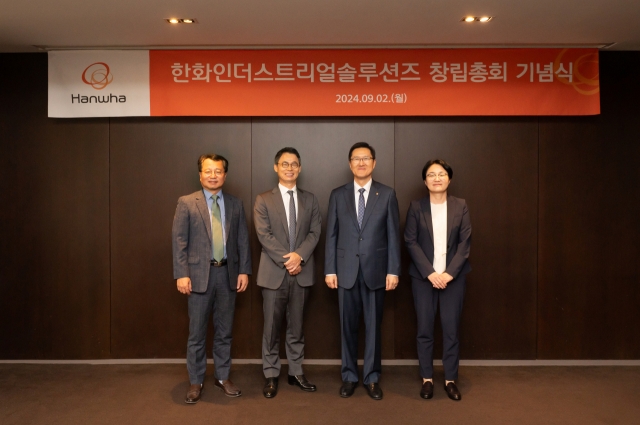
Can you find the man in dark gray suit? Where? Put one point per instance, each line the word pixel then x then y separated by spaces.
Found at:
pixel 288 224
pixel 211 262
pixel 362 260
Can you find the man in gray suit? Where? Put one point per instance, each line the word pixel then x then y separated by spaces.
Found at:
pixel 288 223
pixel 362 260
pixel 211 262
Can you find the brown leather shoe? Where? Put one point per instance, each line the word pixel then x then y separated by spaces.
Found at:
pixel 193 394
pixel 228 388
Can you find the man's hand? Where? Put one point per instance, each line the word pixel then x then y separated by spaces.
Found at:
pixel 293 261
pixel 296 271
pixel 392 282
pixel 184 285
pixel 243 282
pixel 331 281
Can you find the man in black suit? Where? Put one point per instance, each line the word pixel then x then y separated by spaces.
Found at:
pixel 362 261
pixel 211 262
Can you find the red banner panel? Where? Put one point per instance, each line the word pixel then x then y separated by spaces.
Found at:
pixel 374 82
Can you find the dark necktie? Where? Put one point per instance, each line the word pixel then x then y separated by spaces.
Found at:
pixel 216 230
pixel 292 222
pixel 360 208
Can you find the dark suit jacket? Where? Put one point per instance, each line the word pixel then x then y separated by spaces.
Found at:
pixel 375 248
pixel 270 219
pixel 192 240
pixel 418 235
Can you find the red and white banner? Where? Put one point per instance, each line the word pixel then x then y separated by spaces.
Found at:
pixel 324 82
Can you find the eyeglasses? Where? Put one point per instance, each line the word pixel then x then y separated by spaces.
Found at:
pixel 209 172
pixel 293 165
pixel 442 176
pixel 365 159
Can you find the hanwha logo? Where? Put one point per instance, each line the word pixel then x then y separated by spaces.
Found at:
pixel 97 75
pixel 586 78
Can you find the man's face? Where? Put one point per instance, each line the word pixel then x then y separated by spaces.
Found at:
pixel 288 169
pixel 437 179
pixel 212 176
pixel 361 163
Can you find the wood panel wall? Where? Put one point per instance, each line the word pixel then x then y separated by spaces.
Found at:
pixel 85 226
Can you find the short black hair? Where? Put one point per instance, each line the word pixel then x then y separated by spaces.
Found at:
pixel 440 162
pixel 287 149
pixel 362 145
pixel 213 157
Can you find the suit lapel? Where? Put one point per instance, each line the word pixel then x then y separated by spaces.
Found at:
pixel 450 214
pixel 201 202
pixel 228 207
pixel 351 202
pixel 301 209
pixel 372 199
pixel 426 212
pixel 279 204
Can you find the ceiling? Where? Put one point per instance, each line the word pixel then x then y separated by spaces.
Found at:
pixel 321 23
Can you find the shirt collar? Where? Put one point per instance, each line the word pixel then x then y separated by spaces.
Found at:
pixel 366 187
pixel 284 189
pixel 208 194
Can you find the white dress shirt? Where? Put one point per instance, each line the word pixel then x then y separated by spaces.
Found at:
pixel 439 220
pixel 285 199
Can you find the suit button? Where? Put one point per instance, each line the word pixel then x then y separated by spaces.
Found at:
pixel 357 255
pixel 360 239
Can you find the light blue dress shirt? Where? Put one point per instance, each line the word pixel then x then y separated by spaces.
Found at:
pixel 209 197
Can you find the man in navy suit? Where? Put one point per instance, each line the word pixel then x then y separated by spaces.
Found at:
pixel 362 261
pixel 211 263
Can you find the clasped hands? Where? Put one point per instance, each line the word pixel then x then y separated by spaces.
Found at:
pixel 440 280
pixel 293 263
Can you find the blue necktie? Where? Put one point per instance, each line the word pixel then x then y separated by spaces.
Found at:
pixel 360 208
pixel 292 222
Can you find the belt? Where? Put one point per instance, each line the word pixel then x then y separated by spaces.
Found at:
pixel 220 263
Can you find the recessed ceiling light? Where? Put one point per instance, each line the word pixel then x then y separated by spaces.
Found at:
pixel 181 21
pixel 476 19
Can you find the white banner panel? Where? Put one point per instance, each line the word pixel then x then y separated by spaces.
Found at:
pixel 98 83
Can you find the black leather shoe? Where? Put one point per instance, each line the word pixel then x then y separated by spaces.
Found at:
pixel 452 391
pixel 193 394
pixel 374 390
pixel 302 382
pixel 270 388
pixel 347 389
pixel 427 390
